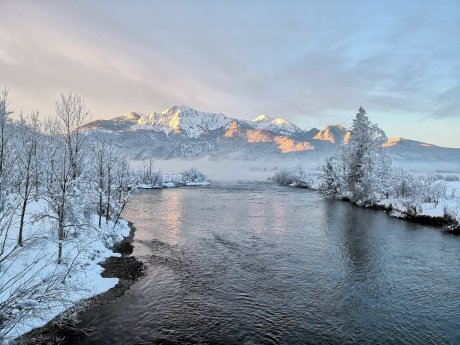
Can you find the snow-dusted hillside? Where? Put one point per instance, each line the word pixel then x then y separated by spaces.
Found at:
pixel 185 133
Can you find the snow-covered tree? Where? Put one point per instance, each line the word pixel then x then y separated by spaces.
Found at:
pixel 5 141
pixel 361 169
pixel 113 175
pixel 53 167
pixel 59 180
pixel 367 164
pixel 149 175
pixel 71 114
pixel 27 137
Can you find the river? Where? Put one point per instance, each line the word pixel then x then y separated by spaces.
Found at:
pixel 254 263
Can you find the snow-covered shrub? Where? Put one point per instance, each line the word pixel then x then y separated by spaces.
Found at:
pixel 430 189
pixel 284 177
pixel 404 185
pixel 193 175
pixel 333 177
pixel 296 177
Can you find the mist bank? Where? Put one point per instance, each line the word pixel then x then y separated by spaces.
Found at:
pixel 261 170
pixel 221 170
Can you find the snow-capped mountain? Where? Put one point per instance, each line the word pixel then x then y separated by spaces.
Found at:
pixel 183 132
pixel 182 119
pixel 263 122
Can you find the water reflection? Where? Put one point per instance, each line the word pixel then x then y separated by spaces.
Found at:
pixel 173 214
pixel 355 236
pixel 257 263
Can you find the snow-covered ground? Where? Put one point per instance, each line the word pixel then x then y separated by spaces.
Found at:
pixel 157 180
pixel 34 288
pixel 174 181
pixel 445 204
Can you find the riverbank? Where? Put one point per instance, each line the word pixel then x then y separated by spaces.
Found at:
pixel 125 268
pixel 443 209
pixel 35 287
pixel 170 184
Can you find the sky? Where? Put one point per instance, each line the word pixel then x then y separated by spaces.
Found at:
pixel 313 63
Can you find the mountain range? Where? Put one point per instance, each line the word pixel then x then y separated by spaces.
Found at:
pixel 185 133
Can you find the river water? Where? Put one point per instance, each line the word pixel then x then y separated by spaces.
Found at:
pixel 254 263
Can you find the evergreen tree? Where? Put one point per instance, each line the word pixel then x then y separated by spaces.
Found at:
pixel 361 169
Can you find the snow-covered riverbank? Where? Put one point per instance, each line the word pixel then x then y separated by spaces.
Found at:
pixel 435 200
pixel 34 288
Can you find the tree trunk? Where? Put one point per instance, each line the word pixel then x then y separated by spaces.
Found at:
pixel 100 209
pixel 61 231
pixel 107 211
pixel 23 212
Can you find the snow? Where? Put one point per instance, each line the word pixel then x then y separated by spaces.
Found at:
pixel 264 122
pixel 155 180
pixel 362 172
pixel 201 134
pixel 182 119
pixel 57 286
pixel 36 286
pixel 191 183
pixel 448 203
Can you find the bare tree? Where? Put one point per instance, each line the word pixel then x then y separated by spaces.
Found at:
pixel 123 174
pixel 25 159
pixel 110 164
pixel 72 113
pixel 113 177
pixel 149 175
pixel 5 137
pixel 4 120
pixel 59 179
pixel 100 156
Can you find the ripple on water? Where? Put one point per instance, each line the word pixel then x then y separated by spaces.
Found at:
pixel 254 263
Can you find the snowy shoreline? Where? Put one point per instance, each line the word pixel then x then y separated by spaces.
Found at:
pixel 166 185
pixel 424 214
pixel 93 269
pixel 122 266
pixel 74 281
pixel 101 278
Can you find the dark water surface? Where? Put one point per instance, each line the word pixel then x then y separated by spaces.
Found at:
pixel 253 263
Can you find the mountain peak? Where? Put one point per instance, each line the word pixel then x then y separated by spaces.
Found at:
pixel 181 119
pixel 178 108
pixel 264 122
pixel 263 118
pixel 335 134
pixel 280 121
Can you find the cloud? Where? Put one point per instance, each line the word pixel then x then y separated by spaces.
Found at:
pixel 302 60
pixel 447 104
